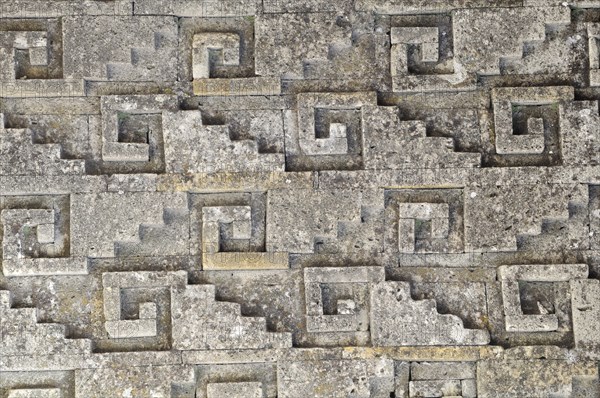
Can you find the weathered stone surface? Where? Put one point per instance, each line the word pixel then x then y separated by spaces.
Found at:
pixel 110 206
pixel 141 48
pixel 215 149
pixel 584 299
pixel 539 378
pixel 397 319
pixel 312 198
pixel 371 378
pixel 195 326
pixel 513 278
pixel 124 381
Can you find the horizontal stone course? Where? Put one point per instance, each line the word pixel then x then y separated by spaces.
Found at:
pixel 301 199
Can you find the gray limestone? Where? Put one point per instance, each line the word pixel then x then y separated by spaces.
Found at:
pixel 368 378
pixel 140 49
pixel 398 319
pixel 299 199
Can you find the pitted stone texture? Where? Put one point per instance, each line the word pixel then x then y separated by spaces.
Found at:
pixel 64 126
pixel 55 384
pixel 539 378
pixel 414 6
pixel 361 378
pixel 17 144
pixel 579 123
pixel 516 26
pixel 311 198
pixel 585 299
pixel 196 8
pixel 128 380
pixel 123 221
pixel 397 319
pixel 202 323
pixel 514 275
pixel 320 223
pixel 393 143
pixel 294 51
pixel 140 49
pixel 491 225
pixel 23 335
pixel 214 149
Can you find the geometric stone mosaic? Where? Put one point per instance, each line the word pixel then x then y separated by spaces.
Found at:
pixel 328 199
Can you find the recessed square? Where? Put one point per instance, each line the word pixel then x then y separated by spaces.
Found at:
pixel 328 133
pixel 36 51
pixel 537 298
pixel 527 126
pixel 136 128
pixel 343 124
pixel 424 221
pixel 132 136
pixel 38 56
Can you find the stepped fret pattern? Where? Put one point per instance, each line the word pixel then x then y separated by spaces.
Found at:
pixel 301 199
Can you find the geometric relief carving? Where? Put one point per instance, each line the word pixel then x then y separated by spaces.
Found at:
pixel 435 379
pixel 399 320
pixel 211 49
pixel 31 59
pixel 18 241
pixel 337 301
pixel 201 322
pixel 361 378
pixel 132 138
pixel 244 380
pixel 330 136
pixel 264 199
pixel 31 55
pixel 36 236
pixel 534 312
pixel 23 152
pixel 527 126
pixel 538 377
pixel 421 55
pixel 327 133
pixel 222 59
pixel 424 220
pixel 23 335
pixel 232 232
pixel 140 49
pixel 411 214
pixel 36 384
pixel 137 308
pixel 220 146
pixel 507 141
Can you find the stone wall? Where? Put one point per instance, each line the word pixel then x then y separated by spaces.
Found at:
pixel 298 199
